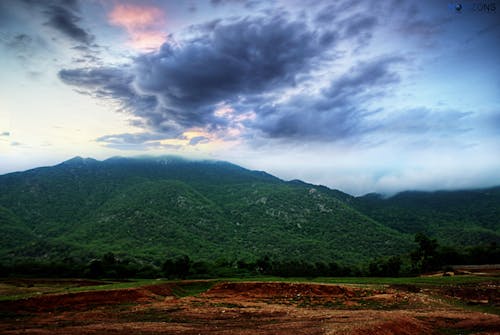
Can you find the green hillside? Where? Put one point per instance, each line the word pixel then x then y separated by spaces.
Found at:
pixel 152 208
pixel 465 217
pixel 149 209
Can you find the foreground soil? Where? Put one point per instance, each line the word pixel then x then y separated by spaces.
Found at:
pixel 259 308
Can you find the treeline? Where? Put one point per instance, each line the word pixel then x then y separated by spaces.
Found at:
pixel 426 257
pixel 182 267
pixel 429 256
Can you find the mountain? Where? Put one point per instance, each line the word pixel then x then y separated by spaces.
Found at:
pixel 464 217
pixel 151 208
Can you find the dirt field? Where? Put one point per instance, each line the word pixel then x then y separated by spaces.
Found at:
pixel 200 307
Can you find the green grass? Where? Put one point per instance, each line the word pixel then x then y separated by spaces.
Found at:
pixel 420 281
pixel 120 285
pixel 432 281
pixel 184 289
pixel 58 289
pixel 192 288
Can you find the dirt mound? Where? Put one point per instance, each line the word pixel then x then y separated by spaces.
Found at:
pixel 474 294
pixel 74 301
pixel 160 289
pixel 406 288
pixel 271 289
pixel 398 325
pixel 88 300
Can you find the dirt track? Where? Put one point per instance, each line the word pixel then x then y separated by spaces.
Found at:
pixel 253 308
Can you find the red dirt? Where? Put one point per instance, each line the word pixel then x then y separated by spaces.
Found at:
pixel 244 308
pixel 77 301
pixel 487 293
pixel 272 289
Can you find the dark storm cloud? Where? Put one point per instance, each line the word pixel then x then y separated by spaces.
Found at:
pixel 244 63
pixel 246 57
pixel 247 63
pixel 180 87
pixel 355 21
pixel 102 82
pixel 339 112
pixel 358 80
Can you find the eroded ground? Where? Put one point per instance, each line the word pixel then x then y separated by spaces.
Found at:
pixel 201 307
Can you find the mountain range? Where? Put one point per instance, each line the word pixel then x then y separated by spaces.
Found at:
pixel 150 208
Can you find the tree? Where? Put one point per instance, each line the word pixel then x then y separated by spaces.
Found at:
pixel 389 267
pixel 177 267
pixel 425 257
pixel 264 265
pixel 95 268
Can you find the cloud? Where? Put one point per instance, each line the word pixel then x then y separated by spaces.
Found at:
pixel 5 133
pixel 253 79
pixel 116 85
pixel 19 41
pixel 138 138
pixel 138 141
pixel 331 12
pixel 360 27
pixel 178 88
pixel 424 121
pixel 198 139
pixel 226 2
pixel 64 17
pixel 113 83
pixel 338 112
pixel 144 24
pixel 229 60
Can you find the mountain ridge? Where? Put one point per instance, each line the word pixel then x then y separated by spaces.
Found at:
pixel 154 207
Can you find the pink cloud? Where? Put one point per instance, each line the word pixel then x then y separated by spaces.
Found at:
pixel 144 24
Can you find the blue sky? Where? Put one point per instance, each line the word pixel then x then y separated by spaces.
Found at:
pixel 362 96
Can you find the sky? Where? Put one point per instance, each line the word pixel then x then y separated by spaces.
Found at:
pixel 361 96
